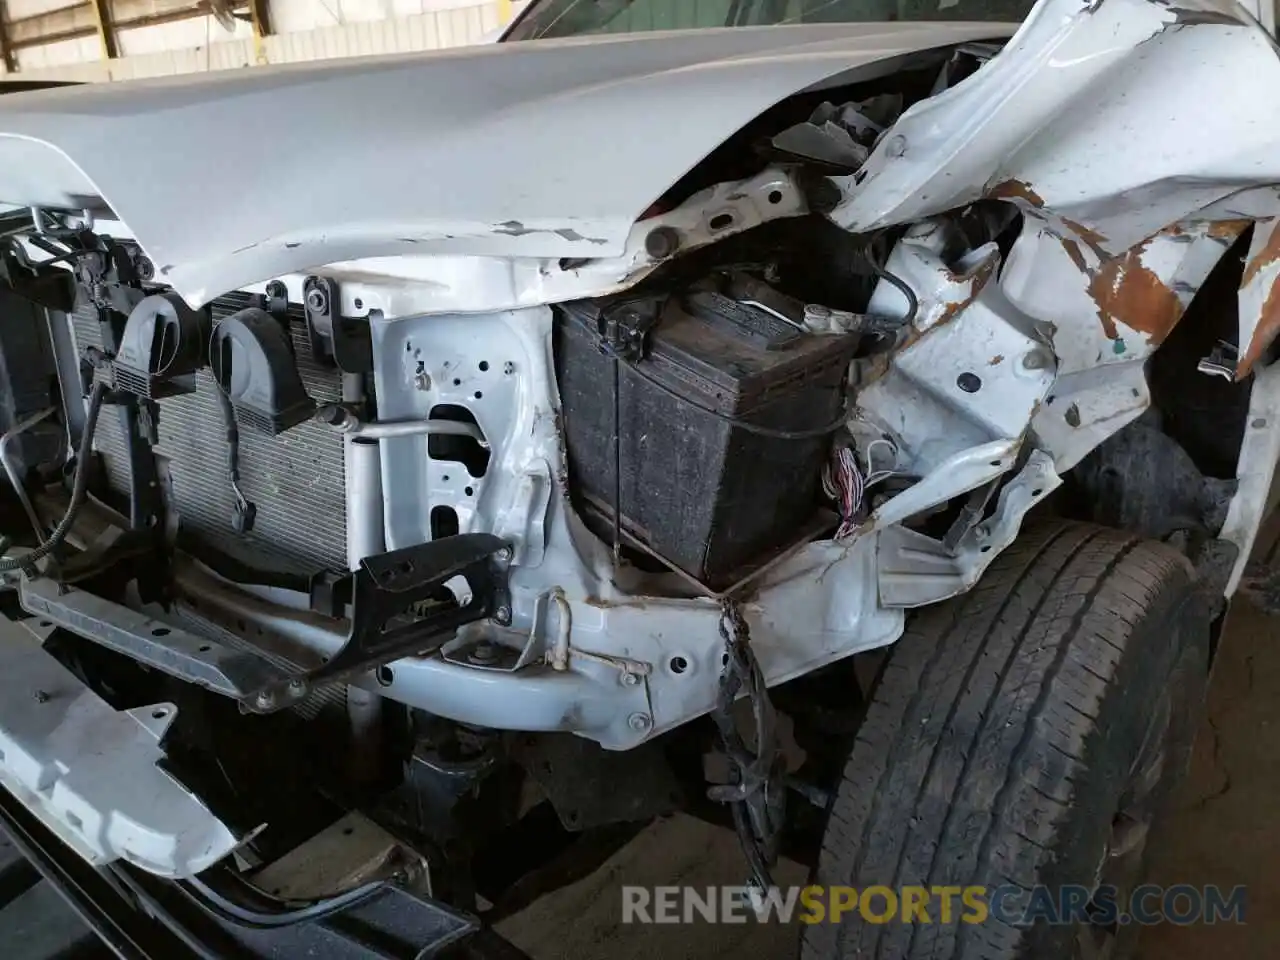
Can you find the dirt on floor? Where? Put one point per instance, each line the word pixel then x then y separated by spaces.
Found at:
pixel 1225 831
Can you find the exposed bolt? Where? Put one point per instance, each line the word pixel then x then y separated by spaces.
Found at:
pixel 332 414
pixel 629 679
pixel 502 615
pixel 42 697
pixel 662 242
pixel 264 699
pixel 297 686
pixel 483 652
pixel 504 554
pixel 896 146
pixel 317 302
pixel 639 722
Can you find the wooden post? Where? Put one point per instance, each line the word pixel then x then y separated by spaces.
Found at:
pixel 260 12
pixel 6 51
pixel 106 29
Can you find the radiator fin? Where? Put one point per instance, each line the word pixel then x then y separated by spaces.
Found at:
pixel 295 479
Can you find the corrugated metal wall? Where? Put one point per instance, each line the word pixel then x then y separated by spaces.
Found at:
pixel 302 30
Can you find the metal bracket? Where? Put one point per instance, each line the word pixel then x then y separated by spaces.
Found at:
pixel 160 645
pixel 335 339
pixel 397 610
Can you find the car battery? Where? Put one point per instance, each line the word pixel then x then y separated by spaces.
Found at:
pixel 699 487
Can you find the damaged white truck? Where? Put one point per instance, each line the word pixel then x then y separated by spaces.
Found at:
pixel 425 472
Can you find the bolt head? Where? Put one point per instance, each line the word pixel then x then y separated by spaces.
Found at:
pixel 629 679
pixel 296 686
pixel 896 146
pixel 264 699
pixel 504 554
pixel 639 722
pixel 316 300
pixel 1035 360
pixel 502 615
pixel 483 652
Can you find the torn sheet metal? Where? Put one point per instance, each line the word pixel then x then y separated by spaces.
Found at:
pixel 1259 296
pixel 970 370
pixel 1122 116
pixel 1105 315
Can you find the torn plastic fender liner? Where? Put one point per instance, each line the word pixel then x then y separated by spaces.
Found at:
pixel 89 771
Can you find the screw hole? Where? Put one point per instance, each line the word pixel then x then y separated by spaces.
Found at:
pixel 995 463
pixel 484 365
pixel 469 491
pixel 969 382
pixel 679 664
pixel 359 304
pixel 775 196
pixel 479 395
pixel 348 831
pixel 986 549
pixel 161 632
pixel 384 676
pixel 445 478
pixel 46 623
pixel 721 221
pixel 457 382
pixel 204 648
pixel 158 714
pixel 1036 492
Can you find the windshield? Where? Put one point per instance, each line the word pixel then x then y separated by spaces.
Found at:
pixel 569 18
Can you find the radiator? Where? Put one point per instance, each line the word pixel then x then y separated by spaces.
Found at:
pixel 295 479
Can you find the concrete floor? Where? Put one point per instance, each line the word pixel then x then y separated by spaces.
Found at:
pixel 1224 831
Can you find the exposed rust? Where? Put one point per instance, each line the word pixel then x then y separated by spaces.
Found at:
pixel 1268 326
pixel 1092 237
pixel 634 603
pixel 1125 289
pixel 1228 230
pixel 1015 190
pixel 1265 332
pixel 999 357
pixel 1267 255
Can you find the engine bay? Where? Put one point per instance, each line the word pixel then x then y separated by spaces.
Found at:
pixel 481 550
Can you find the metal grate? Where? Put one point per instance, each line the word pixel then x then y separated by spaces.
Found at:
pixel 295 479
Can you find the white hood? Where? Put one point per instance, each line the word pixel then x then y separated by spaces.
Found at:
pixel 543 149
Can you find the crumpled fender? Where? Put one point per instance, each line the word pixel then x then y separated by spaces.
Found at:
pixel 1125 130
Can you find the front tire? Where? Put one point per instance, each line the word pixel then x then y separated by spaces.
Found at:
pixel 1026 733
